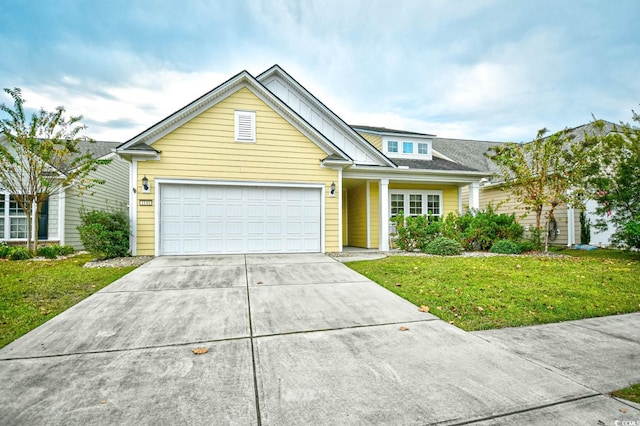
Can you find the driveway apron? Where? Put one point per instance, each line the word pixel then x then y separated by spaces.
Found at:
pixel 289 339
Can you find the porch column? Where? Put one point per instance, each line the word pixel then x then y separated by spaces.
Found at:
pixel 384 214
pixel 474 195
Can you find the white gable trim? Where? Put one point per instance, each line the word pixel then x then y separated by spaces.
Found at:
pixel 277 73
pixel 197 107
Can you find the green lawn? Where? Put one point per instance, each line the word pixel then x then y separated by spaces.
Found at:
pixel 505 291
pixel 32 292
pixel 631 393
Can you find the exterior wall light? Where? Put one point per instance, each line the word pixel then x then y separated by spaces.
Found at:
pixel 145 185
pixel 332 190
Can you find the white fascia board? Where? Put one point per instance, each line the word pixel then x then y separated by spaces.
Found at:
pixel 333 117
pixel 413 175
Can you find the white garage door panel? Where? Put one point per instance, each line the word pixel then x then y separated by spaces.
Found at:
pixel 199 219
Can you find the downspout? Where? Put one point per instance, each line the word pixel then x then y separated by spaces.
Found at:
pixel 571 227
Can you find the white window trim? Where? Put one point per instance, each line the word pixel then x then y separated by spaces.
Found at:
pixel 251 115
pixel 401 140
pixel 5 232
pixel 407 192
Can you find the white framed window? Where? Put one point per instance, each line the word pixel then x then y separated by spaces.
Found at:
pixel 397 204
pixel 13 220
pixel 245 126
pixel 17 221
pixel 415 203
pixel 407 147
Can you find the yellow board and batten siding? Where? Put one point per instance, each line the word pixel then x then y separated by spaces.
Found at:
pixel 205 148
pixel 375 140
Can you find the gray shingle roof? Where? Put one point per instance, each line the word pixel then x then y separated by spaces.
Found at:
pixel 469 153
pixel 435 164
pixel 97 149
pixel 385 130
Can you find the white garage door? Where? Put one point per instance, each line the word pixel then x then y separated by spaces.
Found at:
pixel 208 219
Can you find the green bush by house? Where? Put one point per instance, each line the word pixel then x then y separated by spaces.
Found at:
pixel 105 234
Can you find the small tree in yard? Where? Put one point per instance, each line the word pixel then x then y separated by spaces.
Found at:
pixel 40 157
pixel 544 173
pixel 616 186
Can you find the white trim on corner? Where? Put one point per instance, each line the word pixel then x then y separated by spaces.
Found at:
pixel 368 210
pixel 340 224
pixel 157 217
pixel 159 181
pixel 383 196
pixel 133 207
pixel 62 201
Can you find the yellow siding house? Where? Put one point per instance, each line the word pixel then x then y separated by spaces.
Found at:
pixel 260 165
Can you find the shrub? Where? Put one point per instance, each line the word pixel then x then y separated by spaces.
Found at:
pixel 443 246
pixel 526 245
pixel 478 230
pixel 450 227
pixel 4 250
pixel 49 252
pixel 19 253
pixel 414 232
pixel 55 250
pixel 631 233
pixel 65 250
pixel 506 247
pixel 105 234
pixel 585 228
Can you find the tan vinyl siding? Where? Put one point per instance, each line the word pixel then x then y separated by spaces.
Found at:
pixel 502 204
pixel 113 195
pixel 357 217
pixel 204 148
pixel 464 194
pixel 375 140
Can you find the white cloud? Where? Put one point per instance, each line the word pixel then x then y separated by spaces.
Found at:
pixel 147 98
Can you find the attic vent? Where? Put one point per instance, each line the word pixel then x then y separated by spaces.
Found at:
pixel 245 126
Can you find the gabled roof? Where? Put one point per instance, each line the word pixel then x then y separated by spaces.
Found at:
pixel 277 71
pixel 143 141
pixel 386 131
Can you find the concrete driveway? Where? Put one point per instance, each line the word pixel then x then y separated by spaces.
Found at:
pixel 291 339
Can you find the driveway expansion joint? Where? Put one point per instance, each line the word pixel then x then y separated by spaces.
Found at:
pixel 525 410
pixel 253 349
pixel 137 348
pixel 349 327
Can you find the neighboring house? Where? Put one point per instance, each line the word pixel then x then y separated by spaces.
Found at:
pixel 260 165
pixel 60 214
pixel 490 191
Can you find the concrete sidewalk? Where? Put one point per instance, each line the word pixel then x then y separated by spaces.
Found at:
pixel 291 339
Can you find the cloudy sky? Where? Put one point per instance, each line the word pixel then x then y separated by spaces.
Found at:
pixel 476 69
